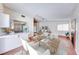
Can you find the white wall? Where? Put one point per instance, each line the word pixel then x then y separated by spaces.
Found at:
pixel 76 16
pixel 53 26
pixel 13 14
pixel 77 36
pixel 77 39
pixel 30 24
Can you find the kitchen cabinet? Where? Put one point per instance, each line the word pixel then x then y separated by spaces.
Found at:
pixel 12 41
pixel 4 20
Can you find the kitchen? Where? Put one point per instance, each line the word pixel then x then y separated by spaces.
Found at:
pixel 12 30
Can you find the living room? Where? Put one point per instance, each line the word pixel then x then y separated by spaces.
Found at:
pixel 39 24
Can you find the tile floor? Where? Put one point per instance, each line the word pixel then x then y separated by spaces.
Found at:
pixel 65 48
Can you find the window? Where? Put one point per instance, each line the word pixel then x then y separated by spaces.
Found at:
pixel 63 27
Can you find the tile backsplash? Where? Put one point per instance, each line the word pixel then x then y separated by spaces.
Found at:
pixel 1 31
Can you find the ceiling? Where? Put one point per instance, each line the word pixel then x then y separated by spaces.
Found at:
pixel 44 10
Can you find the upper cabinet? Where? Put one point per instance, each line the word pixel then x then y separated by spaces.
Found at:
pixel 4 20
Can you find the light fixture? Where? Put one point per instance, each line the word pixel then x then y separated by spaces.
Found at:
pixel 23 16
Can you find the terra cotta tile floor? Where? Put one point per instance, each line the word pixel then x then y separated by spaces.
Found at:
pixel 66 47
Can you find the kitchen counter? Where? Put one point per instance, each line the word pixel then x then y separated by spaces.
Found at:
pixel 3 35
pixel 11 41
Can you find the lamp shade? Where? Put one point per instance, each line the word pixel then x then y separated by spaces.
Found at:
pixel 4 20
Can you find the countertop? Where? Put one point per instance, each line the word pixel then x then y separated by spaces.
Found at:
pixel 6 35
